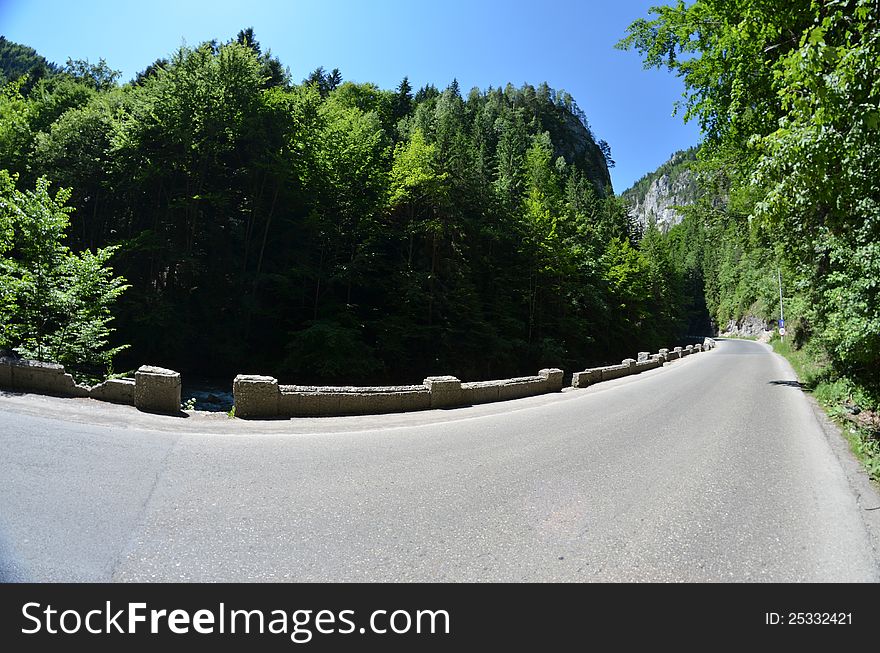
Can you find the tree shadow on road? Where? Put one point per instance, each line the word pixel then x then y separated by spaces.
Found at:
pixel 791 384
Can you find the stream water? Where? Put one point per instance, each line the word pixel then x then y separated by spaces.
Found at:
pixel 213 395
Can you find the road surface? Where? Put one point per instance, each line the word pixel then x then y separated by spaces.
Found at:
pixel 713 468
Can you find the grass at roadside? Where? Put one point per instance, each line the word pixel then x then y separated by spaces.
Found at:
pixel 848 404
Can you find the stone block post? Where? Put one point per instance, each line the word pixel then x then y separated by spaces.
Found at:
pixel 445 391
pixel 157 390
pixel 256 396
pixel 554 378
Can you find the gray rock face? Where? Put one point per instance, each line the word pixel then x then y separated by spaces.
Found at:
pixel 662 196
pixel 652 199
pixel 750 326
pixel 577 143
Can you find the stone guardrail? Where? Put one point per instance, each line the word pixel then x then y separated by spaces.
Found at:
pixel 158 390
pixel 628 366
pixel 262 396
pixel 153 390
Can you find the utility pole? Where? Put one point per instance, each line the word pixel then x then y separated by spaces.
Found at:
pixel 781 312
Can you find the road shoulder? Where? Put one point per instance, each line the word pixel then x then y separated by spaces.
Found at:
pixel 866 491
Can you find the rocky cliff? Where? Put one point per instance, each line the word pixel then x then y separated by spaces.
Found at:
pixel 575 142
pixel 653 198
pixel 748 326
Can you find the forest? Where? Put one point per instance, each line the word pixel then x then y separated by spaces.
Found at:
pixel 214 216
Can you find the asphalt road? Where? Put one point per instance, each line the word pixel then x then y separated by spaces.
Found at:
pixel 714 468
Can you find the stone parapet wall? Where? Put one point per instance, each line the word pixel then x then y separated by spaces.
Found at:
pixel 5 373
pixel 553 378
pixel 153 389
pixel 263 397
pixel 587 377
pixel 617 371
pixel 316 401
pixel 40 377
pixel 647 365
pixel 524 386
pixel 116 391
pixel 646 361
pixel 158 390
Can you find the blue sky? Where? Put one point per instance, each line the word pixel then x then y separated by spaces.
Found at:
pixel 567 43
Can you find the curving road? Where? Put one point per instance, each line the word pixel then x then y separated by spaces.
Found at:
pixel 713 468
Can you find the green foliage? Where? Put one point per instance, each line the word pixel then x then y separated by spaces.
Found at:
pixel 820 169
pixel 86 291
pixel 626 273
pixel 414 176
pixel 15 129
pixel 56 304
pixel 329 350
pixel 8 285
pixel 724 53
pixel 98 76
pixel 323 81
